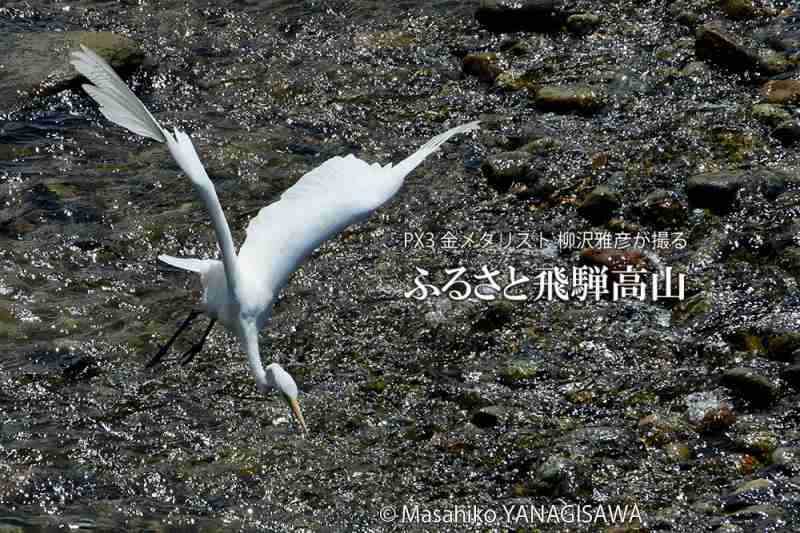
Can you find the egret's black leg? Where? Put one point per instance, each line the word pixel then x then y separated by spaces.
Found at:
pixel 157 357
pixel 194 350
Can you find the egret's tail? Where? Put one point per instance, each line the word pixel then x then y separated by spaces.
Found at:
pixel 411 162
pixel 117 103
pixel 201 266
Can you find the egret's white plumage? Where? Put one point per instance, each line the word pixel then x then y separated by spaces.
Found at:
pixel 239 290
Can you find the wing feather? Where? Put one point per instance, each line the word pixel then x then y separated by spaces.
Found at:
pixel 201 266
pixel 338 193
pixel 117 102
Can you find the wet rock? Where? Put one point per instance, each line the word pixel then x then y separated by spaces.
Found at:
pixel 503 169
pixel 599 205
pixel 764 517
pixel 78 367
pixel 791 375
pixel 542 146
pixel 709 412
pixel 714 44
pixel 494 316
pixel 751 386
pixel 484 66
pixel 472 400
pixel 503 16
pixel 489 417
pixel 775 182
pixel 614 259
pixel 658 429
pixel 518 372
pixel 782 91
pixel 664 209
pixel 10 152
pixel 603 442
pixel 739 9
pixel 716 191
pixel 776 337
pixel 755 492
pixel 789 260
pixel 788 132
pixel 788 458
pixel 516 48
pixel 677 452
pixel 560 476
pixel 784 35
pixel 511 80
pixel 583 99
pixel 769 114
pixel 695 70
pixel 781 341
pixel 38 63
pixel 582 23
pixel 755 435
pixel 692 307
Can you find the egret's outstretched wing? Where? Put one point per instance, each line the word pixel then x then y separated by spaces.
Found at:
pixel 201 266
pixel 117 102
pixel 341 191
pixel 119 105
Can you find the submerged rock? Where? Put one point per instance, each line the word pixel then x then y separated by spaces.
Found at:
pixel 583 23
pixel 488 417
pixel 599 205
pixel 716 191
pixel 751 386
pixel 518 372
pixel 709 411
pixel 503 169
pixel 716 45
pixel 788 132
pixel 560 476
pixel 770 114
pixel 739 9
pixel 614 259
pixel 520 15
pixel 782 91
pixel 664 209
pixel 38 63
pixel 483 66
pixel 570 98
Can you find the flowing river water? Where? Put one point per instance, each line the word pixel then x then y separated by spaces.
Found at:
pixel 606 118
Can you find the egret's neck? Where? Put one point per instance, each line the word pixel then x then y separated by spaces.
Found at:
pixel 249 337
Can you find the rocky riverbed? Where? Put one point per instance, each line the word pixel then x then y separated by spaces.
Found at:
pixel 659 137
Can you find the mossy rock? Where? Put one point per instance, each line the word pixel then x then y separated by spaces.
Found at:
pixel 518 372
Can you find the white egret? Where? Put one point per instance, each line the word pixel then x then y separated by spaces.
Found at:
pixel 240 290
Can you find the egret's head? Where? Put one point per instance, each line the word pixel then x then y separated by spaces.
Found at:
pixel 287 388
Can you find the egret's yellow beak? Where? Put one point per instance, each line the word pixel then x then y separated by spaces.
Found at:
pixel 298 414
